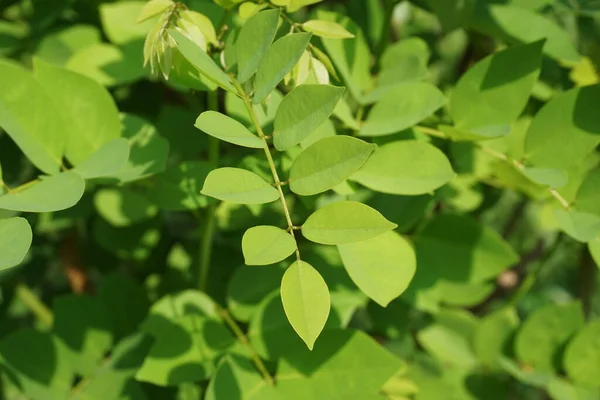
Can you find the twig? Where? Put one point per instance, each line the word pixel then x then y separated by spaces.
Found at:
pixel 34 304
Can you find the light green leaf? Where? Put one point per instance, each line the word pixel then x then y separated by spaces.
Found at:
pixel 87 108
pixel 119 21
pixel 54 193
pixel 295 5
pixel 283 55
pixel 59 46
pixel 84 326
pixel 227 129
pixel 327 163
pixel 121 206
pixel 582 356
pixel 492 335
pixel 407 167
pixel 254 41
pixel 263 245
pixel 382 267
pixel 41 139
pixel 588 195
pixel 345 222
pixel 327 29
pixel 594 248
pixel 108 161
pixel 15 240
pixel 402 107
pixel 306 301
pixel 544 333
pixel 554 178
pixel 178 188
pixel 152 8
pixel 302 111
pixel 495 91
pixel 580 226
pixel 448 345
pixel 565 130
pixel 202 61
pixel 238 185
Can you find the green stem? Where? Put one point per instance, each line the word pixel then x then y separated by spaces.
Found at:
pixel 261 134
pixel 208 225
pixel 34 304
pixel 244 340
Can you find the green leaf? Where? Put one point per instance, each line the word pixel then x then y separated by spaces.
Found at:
pixel 594 248
pixel 495 91
pixel 239 186
pixel 283 55
pixel 87 108
pixel 580 226
pixel 58 47
pixel 493 334
pixel 84 326
pixel 54 193
pixel 263 245
pixel 407 167
pixel 544 333
pixel 402 107
pixel 448 345
pixel 248 287
pixel 306 301
pixel 302 111
pixel 119 21
pixel 15 240
pixel 345 222
pixel 106 162
pixel 42 139
pixel 254 41
pixel 588 194
pixel 582 356
pixel 227 129
pixel 327 29
pixel 327 163
pixel 382 267
pixel 38 363
pixel 179 187
pixel 565 130
pixel 202 61
pixel 153 8
pixel 554 178
pixel 121 206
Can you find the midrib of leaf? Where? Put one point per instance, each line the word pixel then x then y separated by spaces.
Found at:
pixel 303 297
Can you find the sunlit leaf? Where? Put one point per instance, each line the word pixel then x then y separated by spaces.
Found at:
pixel 15 240
pixel 263 245
pixel 254 41
pixel 327 29
pixel 227 129
pixel 108 161
pixel 238 186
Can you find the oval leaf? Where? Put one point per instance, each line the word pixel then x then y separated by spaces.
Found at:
pixel 306 301
pixel 227 129
pixel 582 357
pixel 327 163
pixel 15 240
pixel 254 41
pixel 345 222
pixel 54 193
pixel 237 185
pixel 279 60
pixel 327 29
pixel 382 267
pixel 407 167
pixel 302 111
pixel 402 107
pixel 107 161
pixel 264 245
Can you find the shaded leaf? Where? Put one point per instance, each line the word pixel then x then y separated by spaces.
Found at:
pixel 178 188
pixel 582 356
pixel 107 161
pixel 254 41
pixel 123 206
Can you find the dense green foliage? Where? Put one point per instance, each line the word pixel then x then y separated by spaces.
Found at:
pixel 300 199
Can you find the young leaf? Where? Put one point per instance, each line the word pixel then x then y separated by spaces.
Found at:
pixel 582 356
pixel 495 91
pixel 238 185
pixel 54 193
pixel 543 334
pixel 201 61
pixel 327 29
pixel 87 108
pixel 401 108
pixel 327 163
pixel 42 139
pixel 302 111
pixel 407 167
pixel 106 162
pixel 565 130
pixel 279 60
pixel 15 240
pixel 227 129
pixel 254 41
pixel 264 245
pixel 382 267
pixel 345 222
pixel 306 301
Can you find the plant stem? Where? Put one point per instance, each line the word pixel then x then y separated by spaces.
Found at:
pixel 34 304
pixel 208 225
pixel 244 340
pixel 278 183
